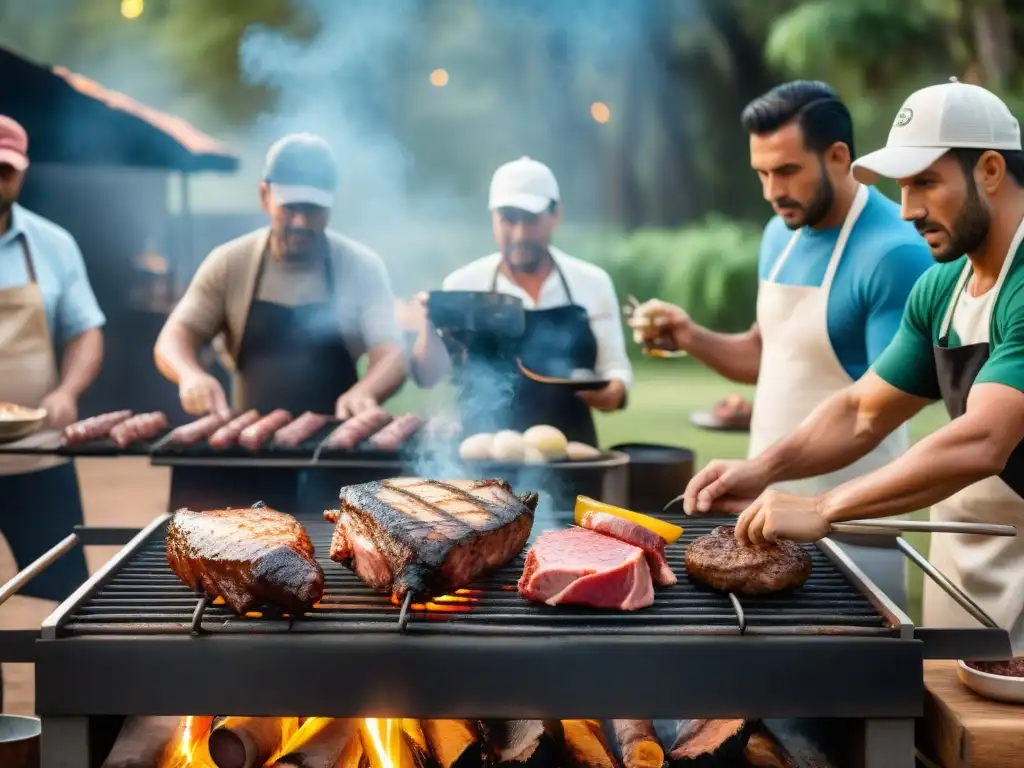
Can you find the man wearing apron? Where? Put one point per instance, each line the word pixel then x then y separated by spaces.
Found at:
pixel 45 297
pixel 572 320
pixel 295 305
pixel 955 149
pixel 836 267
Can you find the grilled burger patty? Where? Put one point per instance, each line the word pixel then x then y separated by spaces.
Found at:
pixel 719 561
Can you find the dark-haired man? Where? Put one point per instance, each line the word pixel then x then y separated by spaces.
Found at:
pixel 836 266
pixel 956 151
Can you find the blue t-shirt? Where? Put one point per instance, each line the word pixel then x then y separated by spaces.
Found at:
pixel 71 306
pixel 883 258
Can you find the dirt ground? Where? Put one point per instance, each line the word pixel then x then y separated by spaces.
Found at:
pixel 125 491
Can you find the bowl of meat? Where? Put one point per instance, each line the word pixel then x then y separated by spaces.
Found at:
pixel 998 680
pixel 18 421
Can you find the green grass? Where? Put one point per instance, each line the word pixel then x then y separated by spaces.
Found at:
pixel 663 396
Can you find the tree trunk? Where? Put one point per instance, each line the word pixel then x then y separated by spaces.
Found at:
pixel 993 40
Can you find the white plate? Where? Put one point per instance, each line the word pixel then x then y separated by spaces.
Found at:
pixel 997 687
pixel 15 426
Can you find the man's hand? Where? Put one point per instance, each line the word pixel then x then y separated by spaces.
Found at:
pixel 776 515
pixel 608 398
pixel 201 394
pixel 727 486
pixel 657 324
pixel 61 409
pixel 412 314
pixel 353 402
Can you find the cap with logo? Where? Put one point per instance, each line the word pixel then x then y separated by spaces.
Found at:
pixel 935 120
pixel 13 144
pixel 300 169
pixel 525 184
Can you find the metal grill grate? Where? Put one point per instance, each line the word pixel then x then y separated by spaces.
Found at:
pixel 143 596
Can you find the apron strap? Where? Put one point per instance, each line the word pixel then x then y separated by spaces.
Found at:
pixel 29 266
pixel 957 290
pixel 558 269
pixel 860 200
pixel 783 256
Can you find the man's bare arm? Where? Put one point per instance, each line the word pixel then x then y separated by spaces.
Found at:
pixel 968 449
pixel 843 429
pixel 177 352
pixel 736 356
pixel 81 362
pixel 430 362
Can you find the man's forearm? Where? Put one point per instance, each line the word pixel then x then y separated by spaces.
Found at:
pixel 430 361
pixel 81 363
pixel 176 353
pixel 943 463
pixel 384 375
pixel 736 356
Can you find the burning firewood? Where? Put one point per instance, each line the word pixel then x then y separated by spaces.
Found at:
pixel 701 743
pixel 585 745
pixel 416 740
pixel 522 742
pixel 323 743
pixel 394 743
pixel 455 743
pixel 249 742
pixel 764 751
pixel 638 743
pixel 147 741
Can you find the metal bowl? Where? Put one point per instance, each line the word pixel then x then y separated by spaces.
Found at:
pixel 19 741
pixel 996 687
pixel 15 426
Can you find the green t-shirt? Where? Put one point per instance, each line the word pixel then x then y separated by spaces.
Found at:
pixel 908 363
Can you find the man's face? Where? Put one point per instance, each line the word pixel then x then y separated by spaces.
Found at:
pixel 11 180
pixel 798 183
pixel 523 237
pixel 948 209
pixel 294 229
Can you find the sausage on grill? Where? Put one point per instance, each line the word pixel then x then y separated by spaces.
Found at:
pixel 358 428
pixel 300 430
pixel 397 432
pixel 145 426
pixel 226 436
pixel 190 434
pixel 93 428
pixel 258 433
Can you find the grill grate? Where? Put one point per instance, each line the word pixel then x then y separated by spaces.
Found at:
pixel 143 596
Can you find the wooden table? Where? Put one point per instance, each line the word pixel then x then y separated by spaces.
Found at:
pixel 960 728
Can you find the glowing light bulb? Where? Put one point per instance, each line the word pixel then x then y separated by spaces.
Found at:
pixel 132 9
pixel 439 78
pixel 600 112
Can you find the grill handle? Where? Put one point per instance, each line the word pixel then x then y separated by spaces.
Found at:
pixel 948 586
pixel 37 566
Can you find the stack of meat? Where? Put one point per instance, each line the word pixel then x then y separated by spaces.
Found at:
pixel 122 428
pixel 608 562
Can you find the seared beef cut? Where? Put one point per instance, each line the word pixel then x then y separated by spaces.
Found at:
pixel 624 530
pixel 579 567
pixel 246 556
pixel 429 537
pixel 719 561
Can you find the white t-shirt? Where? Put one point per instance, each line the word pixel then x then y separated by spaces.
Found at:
pixel 591 289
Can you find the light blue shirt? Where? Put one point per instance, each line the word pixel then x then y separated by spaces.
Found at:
pixel 882 260
pixel 71 306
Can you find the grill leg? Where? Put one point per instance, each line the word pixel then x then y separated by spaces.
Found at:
pixel 888 743
pixel 64 743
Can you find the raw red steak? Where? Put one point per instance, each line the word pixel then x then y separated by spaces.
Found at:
pixel 651 543
pixel 580 567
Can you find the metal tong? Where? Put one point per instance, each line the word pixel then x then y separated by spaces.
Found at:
pixel 898 527
pixel 651 351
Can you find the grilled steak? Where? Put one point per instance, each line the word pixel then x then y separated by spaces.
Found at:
pixel 719 561
pixel 651 543
pixel 579 567
pixel 429 537
pixel 246 556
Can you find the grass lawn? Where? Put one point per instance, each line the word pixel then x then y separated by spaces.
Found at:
pixel 660 403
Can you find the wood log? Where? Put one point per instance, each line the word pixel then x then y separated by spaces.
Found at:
pixel 522 742
pixel 322 742
pixel 585 746
pixel 147 741
pixel 455 743
pixel 638 743
pixel 708 743
pixel 764 751
pixel 249 742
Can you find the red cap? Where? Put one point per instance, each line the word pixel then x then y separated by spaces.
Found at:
pixel 13 144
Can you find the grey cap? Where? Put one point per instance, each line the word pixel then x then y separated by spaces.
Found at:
pixel 300 169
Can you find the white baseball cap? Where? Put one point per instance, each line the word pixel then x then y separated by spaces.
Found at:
pixel 300 169
pixel 525 184
pixel 935 120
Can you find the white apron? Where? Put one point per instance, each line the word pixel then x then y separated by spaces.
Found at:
pixel 990 569
pixel 799 367
pixel 28 369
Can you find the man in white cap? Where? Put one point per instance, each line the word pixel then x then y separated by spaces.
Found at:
pixel 572 318
pixel 955 150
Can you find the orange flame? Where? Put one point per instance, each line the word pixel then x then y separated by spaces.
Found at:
pixel 382 742
pixel 460 602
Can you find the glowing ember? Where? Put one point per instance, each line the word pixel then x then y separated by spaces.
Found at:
pixel 460 602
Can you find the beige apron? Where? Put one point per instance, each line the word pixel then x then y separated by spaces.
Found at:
pixel 799 367
pixel 990 569
pixel 28 369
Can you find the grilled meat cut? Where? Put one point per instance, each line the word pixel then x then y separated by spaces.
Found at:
pixel 141 427
pixel 246 556
pixel 300 430
pixel 577 566
pixel 257 433
pixel 719 561
pixel 429 537
pixel 200 429
pixel 624 530
pixel 93 428
pixel 228 435
pixel 358 428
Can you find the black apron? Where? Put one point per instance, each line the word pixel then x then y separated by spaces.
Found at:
pixel 555 341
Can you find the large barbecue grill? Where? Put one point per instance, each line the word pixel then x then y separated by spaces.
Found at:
pixel 134 641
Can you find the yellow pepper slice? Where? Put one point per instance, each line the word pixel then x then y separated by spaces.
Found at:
pixel 670 533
